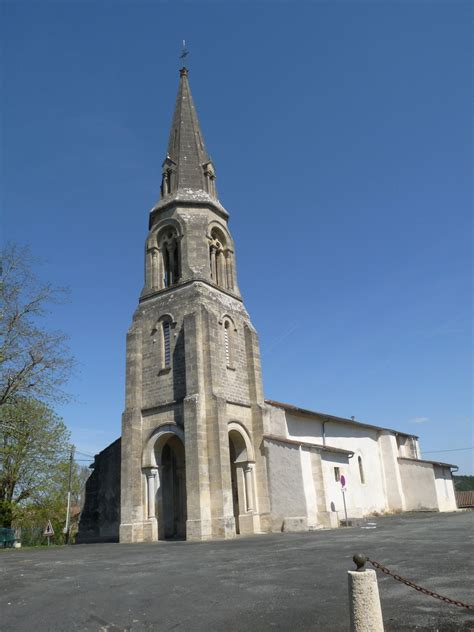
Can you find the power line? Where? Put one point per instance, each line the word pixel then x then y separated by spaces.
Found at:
pixel 84 454
pixel 453 450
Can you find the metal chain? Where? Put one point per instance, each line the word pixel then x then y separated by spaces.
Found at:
pixel 425 591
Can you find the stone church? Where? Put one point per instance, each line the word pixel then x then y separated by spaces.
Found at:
pixel 202 454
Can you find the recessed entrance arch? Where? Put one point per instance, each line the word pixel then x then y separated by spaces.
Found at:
pixel 242 478
pixel 173 490
pixel 164 465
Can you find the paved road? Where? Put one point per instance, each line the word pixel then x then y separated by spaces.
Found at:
pixel 269 582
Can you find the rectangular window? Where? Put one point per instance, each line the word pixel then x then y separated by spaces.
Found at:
pixel 337 474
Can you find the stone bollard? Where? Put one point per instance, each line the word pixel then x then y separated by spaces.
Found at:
pixel 364 600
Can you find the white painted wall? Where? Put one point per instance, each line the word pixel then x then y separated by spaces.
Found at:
pixel 362 497
pixel 407 447
pixel 389 483
pixel 334 500
pixel 303 428
pixel 444 488
pixel 388 450
pixel 418 485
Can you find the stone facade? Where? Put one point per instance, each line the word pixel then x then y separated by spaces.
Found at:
pixel 194 398
pixel 202 454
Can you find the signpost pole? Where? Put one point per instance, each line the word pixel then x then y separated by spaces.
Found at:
pixel 343 490
pixel 344 500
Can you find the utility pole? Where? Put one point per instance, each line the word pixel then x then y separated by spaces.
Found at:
pixel 68 510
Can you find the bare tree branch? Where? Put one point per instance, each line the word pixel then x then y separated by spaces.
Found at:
pixel 34 362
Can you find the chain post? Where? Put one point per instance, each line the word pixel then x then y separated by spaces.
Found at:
pixel 407 582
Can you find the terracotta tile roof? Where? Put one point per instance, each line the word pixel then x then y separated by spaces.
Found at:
pixel 464 499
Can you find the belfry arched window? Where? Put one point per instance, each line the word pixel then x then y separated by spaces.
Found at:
pixel 168 246
pixel 221 260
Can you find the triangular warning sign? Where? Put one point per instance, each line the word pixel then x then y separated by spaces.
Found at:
pixel 48 530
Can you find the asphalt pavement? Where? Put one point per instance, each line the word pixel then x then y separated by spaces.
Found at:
pixel 268 582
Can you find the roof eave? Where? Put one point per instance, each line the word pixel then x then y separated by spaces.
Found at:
pixel 314 413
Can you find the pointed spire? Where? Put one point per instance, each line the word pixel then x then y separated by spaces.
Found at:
pixel 187 165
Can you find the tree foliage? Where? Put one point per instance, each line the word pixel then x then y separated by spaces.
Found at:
pixel 34 362
pixel 32 517
pixel 463 483
pixel 34 446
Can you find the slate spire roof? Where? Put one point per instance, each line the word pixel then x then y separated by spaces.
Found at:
pixel 187 165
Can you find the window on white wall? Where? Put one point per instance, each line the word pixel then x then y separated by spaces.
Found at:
pixel 361 470
pixel 337 474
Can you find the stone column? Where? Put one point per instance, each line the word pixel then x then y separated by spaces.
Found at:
pixel 213 264
pixel 249 486
pixel 154 268
pixel 151 487
pixel 220 269
pixel 170 249
pixel 228 269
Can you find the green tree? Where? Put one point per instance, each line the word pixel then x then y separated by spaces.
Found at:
pixel 34 446
pixel 34 362
pixel 31 517
pixel 464 483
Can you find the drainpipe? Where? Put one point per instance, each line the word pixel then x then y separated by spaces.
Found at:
pixel 324 431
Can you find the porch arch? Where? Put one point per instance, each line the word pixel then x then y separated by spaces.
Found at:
pixel 157 440
pixel 242 462
pixel 237 428
pixel 163 463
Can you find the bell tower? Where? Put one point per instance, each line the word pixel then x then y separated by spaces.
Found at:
pixel 192 428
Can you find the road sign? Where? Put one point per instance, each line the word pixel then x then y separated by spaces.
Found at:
pixel 343 480
pixel 48 530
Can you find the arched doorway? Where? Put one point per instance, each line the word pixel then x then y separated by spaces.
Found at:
pixel 242 481
pixel 172 492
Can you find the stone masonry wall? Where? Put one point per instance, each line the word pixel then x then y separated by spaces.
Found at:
pixel 100 517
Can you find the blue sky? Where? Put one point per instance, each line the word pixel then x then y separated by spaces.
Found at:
pixel 341 133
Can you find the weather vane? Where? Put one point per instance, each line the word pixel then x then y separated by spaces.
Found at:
pixel 184 52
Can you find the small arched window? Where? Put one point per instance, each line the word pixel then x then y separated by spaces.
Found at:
pixel 229 343
pixel 166 328
pixel 168 244
pixel 361 470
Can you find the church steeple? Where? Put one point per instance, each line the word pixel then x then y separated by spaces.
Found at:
pixel 187 165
